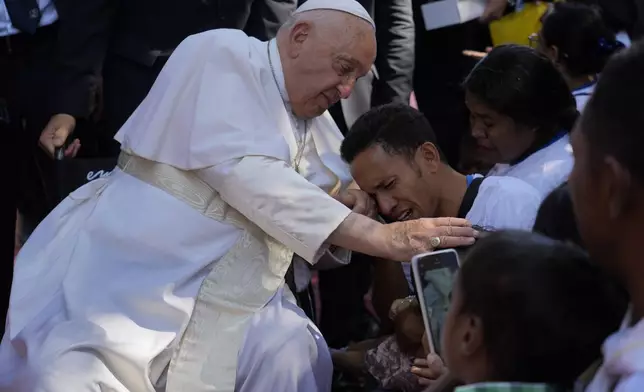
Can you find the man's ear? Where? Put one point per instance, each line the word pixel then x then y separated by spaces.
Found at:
pixel 618 182
pixel 429 156
pixel 297 36
pixel 472 340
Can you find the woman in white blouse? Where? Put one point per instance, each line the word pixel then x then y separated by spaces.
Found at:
pixel 521 111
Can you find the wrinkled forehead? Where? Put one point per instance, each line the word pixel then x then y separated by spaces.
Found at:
pixel 361 48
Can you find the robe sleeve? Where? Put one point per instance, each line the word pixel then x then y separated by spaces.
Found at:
pixel 284 204
pixel 333 258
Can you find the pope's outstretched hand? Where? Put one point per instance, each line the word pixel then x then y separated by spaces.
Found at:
pixel 401 241
pixel 428 234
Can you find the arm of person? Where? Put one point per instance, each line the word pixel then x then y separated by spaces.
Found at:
pixel 266 17
pixel 83 34
pixel 396 51
pixel 300 215
pixel 286 206
pixel 333 257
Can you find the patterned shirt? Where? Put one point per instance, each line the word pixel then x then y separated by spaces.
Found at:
pixel 507 387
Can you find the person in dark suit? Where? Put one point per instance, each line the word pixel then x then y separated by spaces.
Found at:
pixel 111 51
pixel 440 69
pixel 28 30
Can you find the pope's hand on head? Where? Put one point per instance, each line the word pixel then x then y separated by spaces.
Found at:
pixel 359 201
pixel 407 239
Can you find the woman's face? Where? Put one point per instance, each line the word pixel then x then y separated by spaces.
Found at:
pixel 499 139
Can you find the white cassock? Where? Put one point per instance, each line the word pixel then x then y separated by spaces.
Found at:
pixel 623 363
pixel 169 274
pixel 545 169
pixel 501 203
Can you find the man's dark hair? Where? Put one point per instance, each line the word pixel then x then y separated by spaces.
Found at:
pixel 545 308
pixel 524 85
pixel 397 128
pixel 584 41
pixel 613 119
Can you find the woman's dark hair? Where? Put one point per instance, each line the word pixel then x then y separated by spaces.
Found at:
pixel 618 15
pixel 556 217
pixel 518 82
pixel 584 41
pixel 544 307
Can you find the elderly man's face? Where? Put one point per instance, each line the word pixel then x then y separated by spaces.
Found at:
pixel 326 62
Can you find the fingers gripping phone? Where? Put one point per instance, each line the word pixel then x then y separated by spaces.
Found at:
pixel 434 274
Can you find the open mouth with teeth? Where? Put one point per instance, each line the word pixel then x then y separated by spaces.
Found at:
pixel 405 215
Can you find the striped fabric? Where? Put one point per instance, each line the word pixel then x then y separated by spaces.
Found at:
pixel 507 387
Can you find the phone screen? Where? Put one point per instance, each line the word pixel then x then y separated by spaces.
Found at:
pixel 436 273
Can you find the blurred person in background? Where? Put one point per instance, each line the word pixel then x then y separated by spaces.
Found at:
pixel 624 17
pixel 607 189
pixel 28 31
pixel 111 52
pixel 439 69
pixel 576 39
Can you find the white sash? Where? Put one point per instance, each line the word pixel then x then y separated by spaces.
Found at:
pixel 241 283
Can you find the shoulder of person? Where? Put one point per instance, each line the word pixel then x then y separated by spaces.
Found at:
pixel 512 188
pixel 231 44
pixel 508 203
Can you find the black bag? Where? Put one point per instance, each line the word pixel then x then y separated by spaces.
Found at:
pixel 71 174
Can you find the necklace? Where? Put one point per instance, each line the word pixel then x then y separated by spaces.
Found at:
pixel 301 140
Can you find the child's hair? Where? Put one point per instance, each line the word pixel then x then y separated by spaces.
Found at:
pixel 584 41
pixel 544 308
pixel 556 217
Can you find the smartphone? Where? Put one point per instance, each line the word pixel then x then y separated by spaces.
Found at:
pixel 434 274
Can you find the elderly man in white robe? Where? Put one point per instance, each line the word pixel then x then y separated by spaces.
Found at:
pixel 169 274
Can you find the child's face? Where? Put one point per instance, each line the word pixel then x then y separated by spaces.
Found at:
pixel 462 342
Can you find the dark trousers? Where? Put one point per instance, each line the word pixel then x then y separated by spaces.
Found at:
pixel 344 318
pixel 25 77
